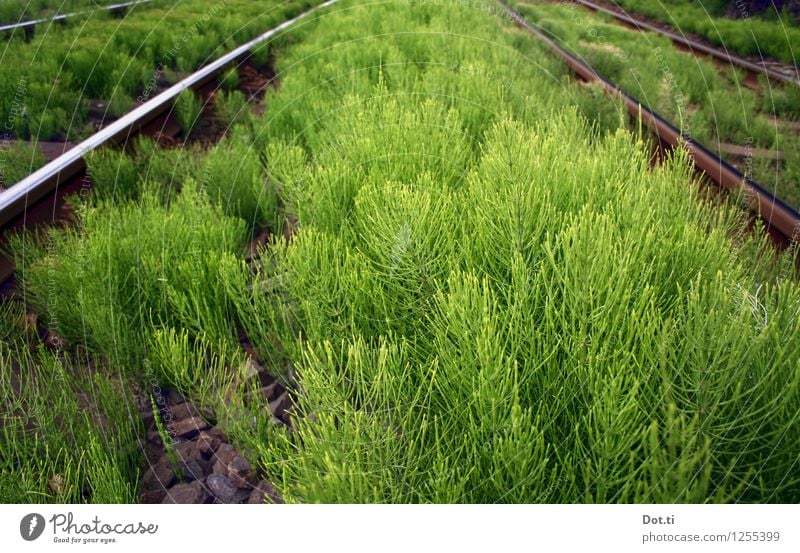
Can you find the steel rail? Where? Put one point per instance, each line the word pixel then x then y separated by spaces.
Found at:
pixel 723 55
pixel 64 16
pixel 775 213
pixel 16 200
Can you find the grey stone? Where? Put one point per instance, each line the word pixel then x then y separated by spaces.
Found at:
pixel 272 391
pixel 152 496
pixel 183 410
pixel 209 440
pixel 193 492
pixel 223 489
pixel 222 457
pixel 187 450
pixel 158 476
pixel 240 472
pixel 188 428
pixel 154 437
pixel 242 496
pixel 261 491
pixel 173 397
pixel 192 470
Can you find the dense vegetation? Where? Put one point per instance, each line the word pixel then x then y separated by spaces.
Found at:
pixel 709 104
pixel 17 161
pixel 15 11
pixel 69 435
pixel 489 294
pixel 739 9
pixel 46 84
pixel 748 35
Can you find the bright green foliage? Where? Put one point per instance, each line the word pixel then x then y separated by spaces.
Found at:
pixel 13 11
pixel 783 101
pixel 545 318
pixel 231 106
pixel 775 35
pixel 12 321
pixel 529 378
pixel 45 83
pixel 188 108
pixel 68 433
pixel 197 367
pixel 114 176
pixel 136 267
pixel 232 175
pixel 117 176
pixel 486 298
pixel 710 105
pixel 17 161
pixel 286 164
pixel 440 65
pixel 164 168
pixel 230 79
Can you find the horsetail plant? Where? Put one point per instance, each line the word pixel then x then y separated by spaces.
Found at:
pixel 485 296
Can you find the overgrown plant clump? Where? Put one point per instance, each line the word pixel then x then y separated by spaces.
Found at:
pixel 712 106
pixel 47 84
pixel 486 297
pixel 133 268
pixel 13 11
pixel 230 174
pixel 69 432
pixel 234 178
pixel 474 340
pixel 768 33
pixel 188 109
pixel 232 105
pixel 17 161
pixel 540 318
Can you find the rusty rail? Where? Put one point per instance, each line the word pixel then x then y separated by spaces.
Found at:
pixel 777 215
pixel 695 46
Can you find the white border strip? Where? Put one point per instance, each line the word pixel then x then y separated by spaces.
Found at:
pixel 402 528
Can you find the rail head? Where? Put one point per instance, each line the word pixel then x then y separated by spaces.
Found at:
pixel 65 16
pixel 15 200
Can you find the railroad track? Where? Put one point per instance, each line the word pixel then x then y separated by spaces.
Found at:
pixel 185 430
pixel 188 457
pixel 781 220
pixel 39 198
pixel 697 47
pixel 29 26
